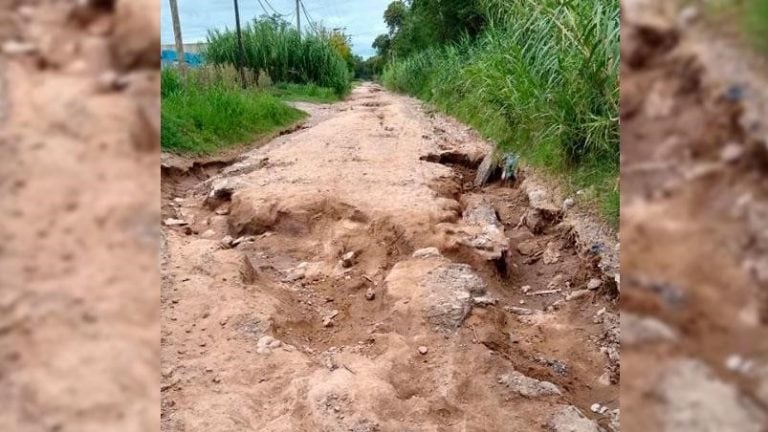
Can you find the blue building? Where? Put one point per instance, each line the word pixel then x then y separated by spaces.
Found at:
pixel 168 58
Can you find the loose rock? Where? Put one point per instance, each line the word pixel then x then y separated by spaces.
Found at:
pixel 527 386
pixel 111 81
pixel 486 169
pixel 423 350
pixel 551 253
pixel 594 284
pixel 348 259
pixel 484 301
pixel 577 295
pixel 264 344
pixel 430 252
pixel 520 311
pixel 13 48
pixel 174 222
pixel 297 273
pixel 328 320
pixel 226 242
pixel 636 330
pixel 527 248
pixel 569 419
pixel 449 294
pixel 697 400
pixel 568 204
pixel 556 283
pixel 731 153
pixel 370 294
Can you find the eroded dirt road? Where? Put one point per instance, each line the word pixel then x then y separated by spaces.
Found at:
pixel 695 230
pixel 79 135
pixel 349 276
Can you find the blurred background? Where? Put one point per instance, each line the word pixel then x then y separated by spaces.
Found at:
pixel 79 215
pixel 694 215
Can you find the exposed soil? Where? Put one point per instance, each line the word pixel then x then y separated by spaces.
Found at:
pixel 693 225
pixel 79 134
pixel 330 315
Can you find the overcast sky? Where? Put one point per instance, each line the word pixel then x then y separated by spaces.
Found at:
pixel 362 18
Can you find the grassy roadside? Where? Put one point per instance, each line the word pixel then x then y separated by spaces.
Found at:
pixel 541 81
pixel 205 118
pixel 304 93
pixel 207 111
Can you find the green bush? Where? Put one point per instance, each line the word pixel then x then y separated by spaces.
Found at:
pixel 203 119
pixel 540 80
pixel 285 55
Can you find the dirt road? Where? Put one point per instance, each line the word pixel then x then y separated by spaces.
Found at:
pixel 694 225
pixel 79 235
pixel 349 276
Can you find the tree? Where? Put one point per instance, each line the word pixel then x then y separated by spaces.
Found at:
pixel 342 44
pixel 382 44
pixel 395 15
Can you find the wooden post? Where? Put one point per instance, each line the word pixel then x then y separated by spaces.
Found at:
pixel 177 36
pixel 241 50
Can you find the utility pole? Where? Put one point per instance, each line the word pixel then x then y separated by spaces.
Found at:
pixel 177 36
pixel 298 16
pixel 241 51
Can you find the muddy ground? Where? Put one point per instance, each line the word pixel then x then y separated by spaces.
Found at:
pixel 694 307
pixel 350 276
pixel 79 306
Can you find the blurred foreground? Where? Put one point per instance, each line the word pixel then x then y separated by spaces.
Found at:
pixel 79 203
pixel 694 225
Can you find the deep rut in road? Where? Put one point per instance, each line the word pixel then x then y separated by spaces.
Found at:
pixel 349 276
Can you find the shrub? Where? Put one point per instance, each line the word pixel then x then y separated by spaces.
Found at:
pixel 285 55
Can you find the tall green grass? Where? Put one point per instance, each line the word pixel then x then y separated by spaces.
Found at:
pixel 205 118
pixel 284 54
pixel 541 80
pixel 304 93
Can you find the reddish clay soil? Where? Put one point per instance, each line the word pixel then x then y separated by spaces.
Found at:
pixel 79 133
pixel 694 227
pixel 329 312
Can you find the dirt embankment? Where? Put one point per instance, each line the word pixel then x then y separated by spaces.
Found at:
pixel 79 112
pixel 349 276
pixel 694 222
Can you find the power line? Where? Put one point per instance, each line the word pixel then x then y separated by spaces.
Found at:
pixel 273 9
pixel 306 15
pixel 266 12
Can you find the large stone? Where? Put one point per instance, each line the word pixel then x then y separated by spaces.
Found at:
pixel 569 419
pixel 638 330
pixel 485 232
pixel 528 387
pixel 430 252
pixel 449 293
pixel 486 169
pixel 695 399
